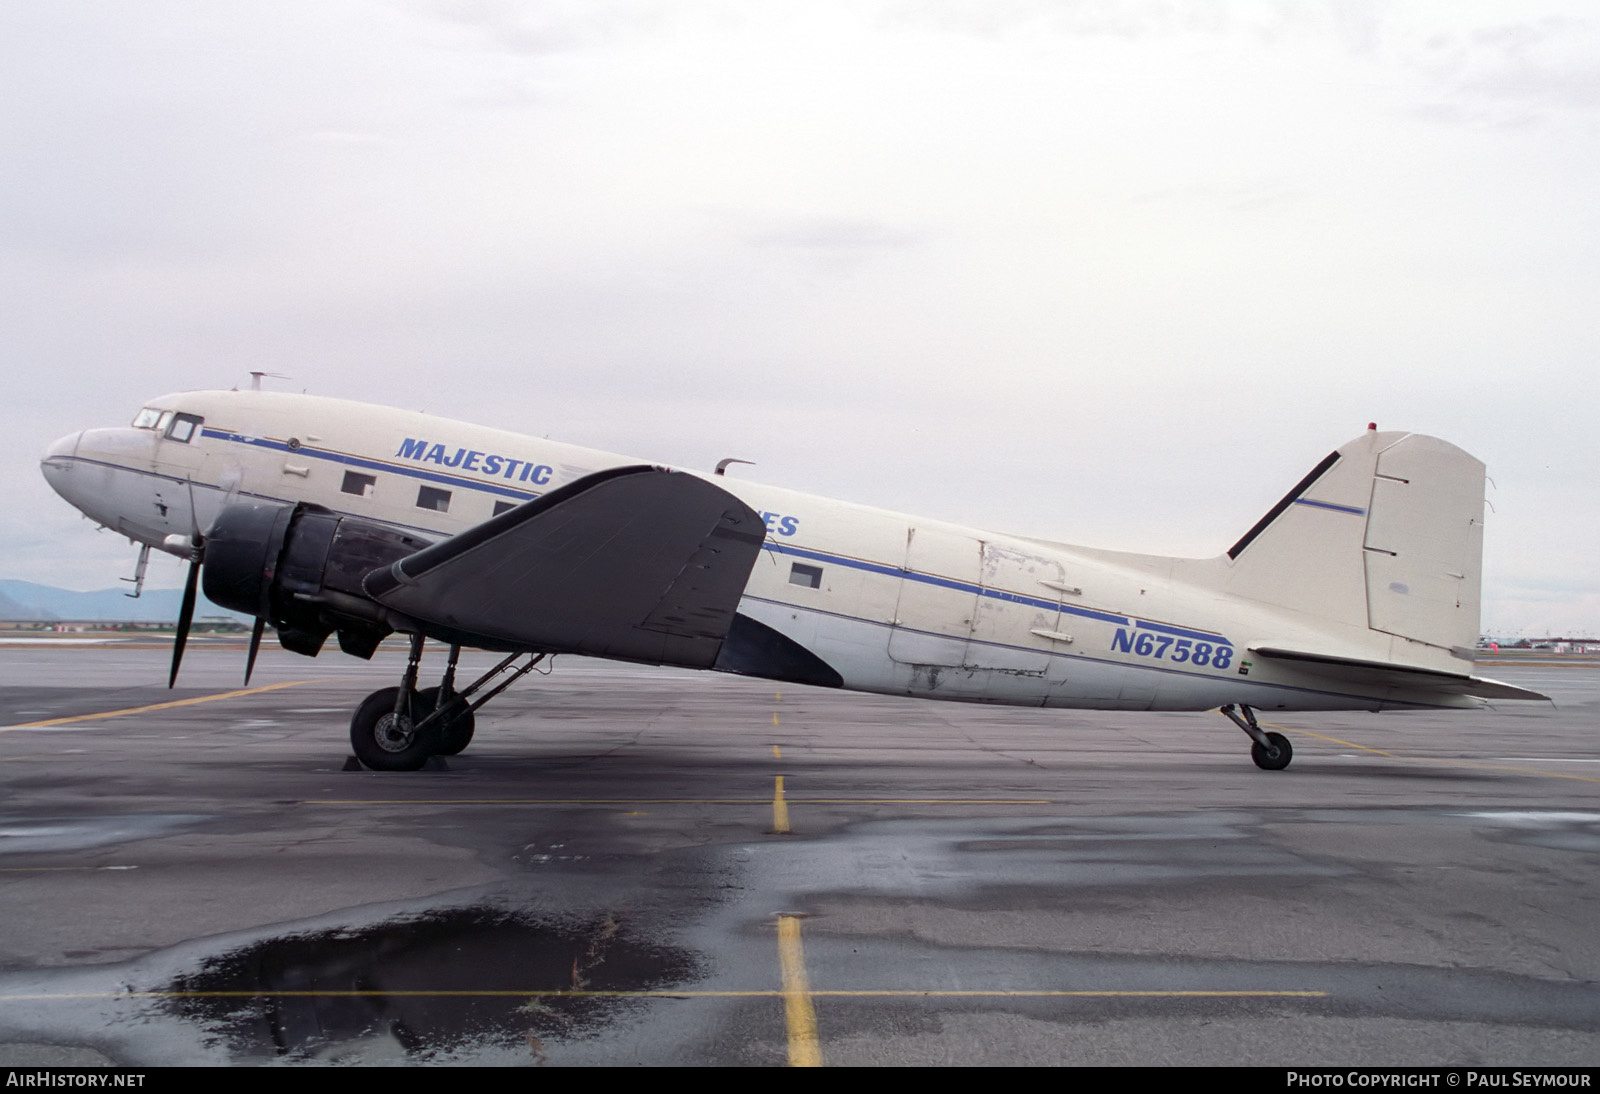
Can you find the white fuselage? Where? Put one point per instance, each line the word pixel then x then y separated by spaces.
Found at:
pixel 894 603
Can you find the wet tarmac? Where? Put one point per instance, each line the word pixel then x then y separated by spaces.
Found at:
pixel 636 866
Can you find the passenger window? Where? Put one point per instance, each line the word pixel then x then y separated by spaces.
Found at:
pixel 432 498
pixel 183 427
pixel 360 485
pixel 808 576
pixel 503 507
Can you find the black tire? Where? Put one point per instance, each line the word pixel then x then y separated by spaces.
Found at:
pixel 1275 758
pixel 454 735
pixel 385 743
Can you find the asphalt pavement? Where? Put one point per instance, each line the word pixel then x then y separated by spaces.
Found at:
pixel 646 866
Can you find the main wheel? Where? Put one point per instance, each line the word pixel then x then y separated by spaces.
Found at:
pixel 386 741
pixel 1273 758
pixel 454 735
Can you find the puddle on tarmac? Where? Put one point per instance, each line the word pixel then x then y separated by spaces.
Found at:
pixel 301 990
pixel 59 834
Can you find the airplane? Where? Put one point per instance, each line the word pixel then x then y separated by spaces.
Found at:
pixel 1359 590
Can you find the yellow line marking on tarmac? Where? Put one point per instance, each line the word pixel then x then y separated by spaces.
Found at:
pixel 780 808
pixel 667 993
pixel 156 706
pixel 674 801
pixel 799 1015
pixel 777 753
pixel 1432 760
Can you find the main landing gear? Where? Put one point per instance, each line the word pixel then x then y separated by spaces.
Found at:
pixel 1271 751
pixel 397 729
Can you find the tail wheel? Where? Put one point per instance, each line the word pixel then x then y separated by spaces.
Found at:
pixel 1275 755
pixel 454 735
pixel 386 741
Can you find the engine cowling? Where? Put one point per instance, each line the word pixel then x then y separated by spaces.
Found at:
pixel 300 568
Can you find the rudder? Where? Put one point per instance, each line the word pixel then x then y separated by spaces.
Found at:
pixel 1424 544
pixel 1385 534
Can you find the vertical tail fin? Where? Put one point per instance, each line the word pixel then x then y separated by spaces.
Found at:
pixel 1385 534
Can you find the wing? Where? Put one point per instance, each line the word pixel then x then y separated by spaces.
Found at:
pixel 1385 674
pixel 637 563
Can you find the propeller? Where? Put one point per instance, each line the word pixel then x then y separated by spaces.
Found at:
pixel 197 556
pixel 185 617
pixel 191 585
pixel 255 647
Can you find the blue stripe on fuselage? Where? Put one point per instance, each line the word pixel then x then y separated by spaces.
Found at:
pixel 953 584
pixel 370 464
pixel 949 583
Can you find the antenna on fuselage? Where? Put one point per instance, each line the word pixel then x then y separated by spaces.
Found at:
pixel 256 377
pixel 722 465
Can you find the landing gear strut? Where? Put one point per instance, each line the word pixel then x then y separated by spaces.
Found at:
pixel 397 729
pixel 457 720
pixel 1271 751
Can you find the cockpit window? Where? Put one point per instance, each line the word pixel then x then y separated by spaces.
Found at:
pixel 169 423
pixel 183 427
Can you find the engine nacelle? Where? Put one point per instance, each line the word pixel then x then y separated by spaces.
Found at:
pixel 300 568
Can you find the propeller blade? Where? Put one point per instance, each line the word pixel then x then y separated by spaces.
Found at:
pixel 194 517
pixel 255 648
pixel 185 618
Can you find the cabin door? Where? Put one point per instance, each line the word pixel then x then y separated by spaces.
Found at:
pixel 938 598
pixel 1012 611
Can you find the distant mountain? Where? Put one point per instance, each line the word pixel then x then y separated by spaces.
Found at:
pixel 11 609
pixel 23 600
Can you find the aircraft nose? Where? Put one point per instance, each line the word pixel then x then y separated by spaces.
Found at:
pixel 66 446
pixel 57 461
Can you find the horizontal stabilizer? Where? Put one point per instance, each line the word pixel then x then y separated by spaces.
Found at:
pixel 1387 674
pixel 636 563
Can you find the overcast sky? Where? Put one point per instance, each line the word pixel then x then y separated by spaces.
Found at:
pixel 1115 273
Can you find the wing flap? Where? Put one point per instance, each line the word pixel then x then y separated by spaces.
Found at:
pixel 636 563
pixel 1387 674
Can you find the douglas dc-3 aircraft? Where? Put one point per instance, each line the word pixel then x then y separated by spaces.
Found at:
pixel 1357 591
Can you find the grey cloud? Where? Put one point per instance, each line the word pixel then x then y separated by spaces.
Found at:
pixel 1512 73
pixel 1110 18
pixel 840 234
pixel 1247 197
pixel 1357 23
pixel 531 30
